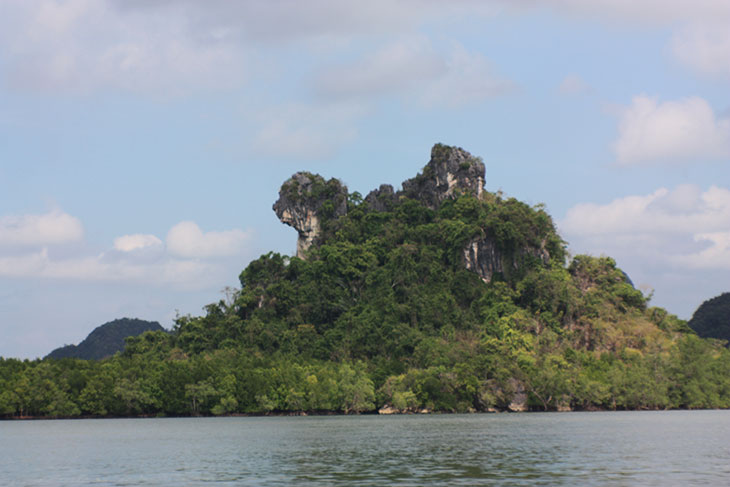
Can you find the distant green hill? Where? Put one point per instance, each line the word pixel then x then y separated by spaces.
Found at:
pixel 712 318
pixel 106 339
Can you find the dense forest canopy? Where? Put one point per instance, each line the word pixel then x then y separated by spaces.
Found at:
pixel 106 339
pixel 712 318
pixel 439 297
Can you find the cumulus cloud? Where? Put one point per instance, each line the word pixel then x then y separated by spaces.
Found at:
pixel 186 239
pixel 646 11
pixel 54 227
pixel 182 273
pixel 715 256
pixel 676 241
pixel 284 20
pixel 297 22
pixel 704 47
pixel 681 227
pixel 138 241
pixel 172 46
pixel 415 68
pixel 51 246
pixel 684 130
pixel 23 265
pixel 84 45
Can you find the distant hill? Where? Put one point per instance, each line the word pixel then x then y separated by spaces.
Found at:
pixel 106 339
pixel 712 318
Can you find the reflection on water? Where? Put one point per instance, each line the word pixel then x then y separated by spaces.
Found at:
pixel 621 448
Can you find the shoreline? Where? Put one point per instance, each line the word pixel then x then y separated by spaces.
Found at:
pixel 335 413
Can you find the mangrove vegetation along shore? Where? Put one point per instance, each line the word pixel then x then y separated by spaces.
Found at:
pixel 441 296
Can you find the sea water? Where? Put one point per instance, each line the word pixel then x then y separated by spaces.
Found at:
pixel 600 448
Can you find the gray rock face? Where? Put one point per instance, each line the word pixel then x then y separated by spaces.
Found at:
pixel 451 171
pixel 381 199
pixel 481 256
pixel 301 205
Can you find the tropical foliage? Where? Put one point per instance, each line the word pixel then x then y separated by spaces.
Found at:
pixel 383 312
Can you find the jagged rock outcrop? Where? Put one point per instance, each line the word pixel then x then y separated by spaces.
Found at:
pixel 381 199
pixel 481 256
pixel 301 205
pixel 451 171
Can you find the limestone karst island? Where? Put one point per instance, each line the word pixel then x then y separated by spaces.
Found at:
pixel 437 297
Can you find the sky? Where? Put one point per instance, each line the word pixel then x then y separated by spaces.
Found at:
pixel 143 142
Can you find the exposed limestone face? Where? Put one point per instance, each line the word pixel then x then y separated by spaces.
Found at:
pixel 381 199
pixel 482 256
pixel 301 205
pixel 451 171
pixel 306 199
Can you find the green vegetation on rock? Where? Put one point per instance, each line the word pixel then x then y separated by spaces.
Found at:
pixel 441 298
pixel 712 318
pixel 106 339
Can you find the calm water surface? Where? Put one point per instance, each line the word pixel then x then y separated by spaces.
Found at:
pixel 617 448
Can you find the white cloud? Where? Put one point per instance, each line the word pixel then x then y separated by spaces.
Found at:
pixel 186 239
pixel 55 227
pixel 173 46
pixel 675 241
pixel 414 68
pixel 84 45
pixel 24 265
pixel 297 22
pixel 704 47
pixel 182 273
pixel 138 241
pixel 645 12
pixel 668 227
pixel 684 130
pixel 29 248
pixel 715 256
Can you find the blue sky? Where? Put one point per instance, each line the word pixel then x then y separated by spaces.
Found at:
pixel 142 143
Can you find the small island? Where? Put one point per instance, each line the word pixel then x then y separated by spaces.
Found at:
pixel 437 297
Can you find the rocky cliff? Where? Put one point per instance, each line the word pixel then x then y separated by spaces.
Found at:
pixel 381 199
pixel 305 198
pixel 450 172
